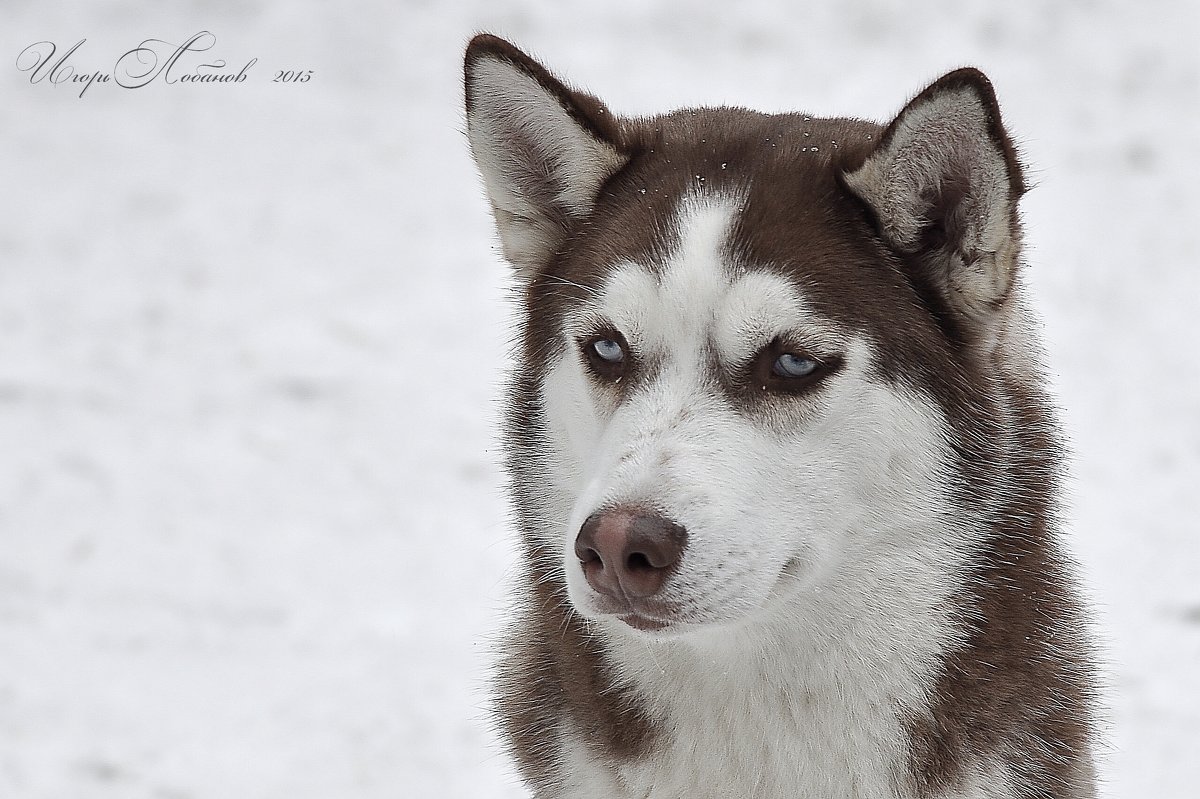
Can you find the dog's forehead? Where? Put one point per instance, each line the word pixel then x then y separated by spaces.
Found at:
pixel 690 282
pixel 776 245
pixel 754 191
pixel 704 294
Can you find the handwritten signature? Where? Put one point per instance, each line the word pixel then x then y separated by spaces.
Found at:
pixel 153 59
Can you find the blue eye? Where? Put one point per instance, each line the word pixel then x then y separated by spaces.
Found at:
pixel 608 350
pixel 791 365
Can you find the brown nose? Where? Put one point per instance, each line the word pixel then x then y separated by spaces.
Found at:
pixel 627 552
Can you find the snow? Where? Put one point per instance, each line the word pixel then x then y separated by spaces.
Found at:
pixel 253 541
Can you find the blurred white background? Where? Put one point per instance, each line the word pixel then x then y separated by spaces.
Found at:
pixel 253 541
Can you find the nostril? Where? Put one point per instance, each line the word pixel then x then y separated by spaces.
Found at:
pixel 656 542
pixel 588 555
pixel 588 542
pixel 637 561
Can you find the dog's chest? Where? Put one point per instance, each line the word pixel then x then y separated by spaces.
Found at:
pixel 761 734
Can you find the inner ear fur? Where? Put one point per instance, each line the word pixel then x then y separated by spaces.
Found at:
pixel 942 186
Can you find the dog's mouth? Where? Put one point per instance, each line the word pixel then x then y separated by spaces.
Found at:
pixel 638 614
pixel 654 615
pixel 646 624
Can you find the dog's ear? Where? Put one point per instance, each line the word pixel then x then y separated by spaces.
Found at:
pixel 543 149
pixel 943 184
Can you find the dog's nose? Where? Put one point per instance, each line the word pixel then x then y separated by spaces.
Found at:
pixel 627 552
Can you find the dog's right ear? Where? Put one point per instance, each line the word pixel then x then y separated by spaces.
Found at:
pixel 942 185
pixel 543 149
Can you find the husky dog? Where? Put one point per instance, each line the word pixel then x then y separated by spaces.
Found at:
pixel 780 454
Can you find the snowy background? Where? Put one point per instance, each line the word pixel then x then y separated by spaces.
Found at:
pixel 252 536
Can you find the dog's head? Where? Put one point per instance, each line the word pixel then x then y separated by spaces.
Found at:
pixel 748 337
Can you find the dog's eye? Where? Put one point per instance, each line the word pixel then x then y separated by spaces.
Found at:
pixel 609 350
pixel 607 354
pixel 788 369
pixel 790 365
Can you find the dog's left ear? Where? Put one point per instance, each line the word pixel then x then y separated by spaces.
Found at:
pixel 943 184
pixel 544 150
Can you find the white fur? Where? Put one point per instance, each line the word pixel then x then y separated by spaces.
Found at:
pixel 813 601
pixel 760 306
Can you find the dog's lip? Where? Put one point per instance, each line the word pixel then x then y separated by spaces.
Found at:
pixel 636 614
pixel 644 623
